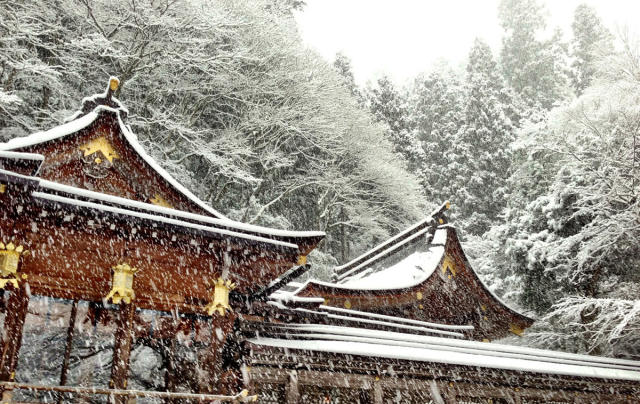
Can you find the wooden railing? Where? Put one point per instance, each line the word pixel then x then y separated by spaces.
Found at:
pixel 7 387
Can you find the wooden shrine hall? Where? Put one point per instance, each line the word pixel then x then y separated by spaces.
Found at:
pixel 409 321
pixel 101 246
pixel 88 216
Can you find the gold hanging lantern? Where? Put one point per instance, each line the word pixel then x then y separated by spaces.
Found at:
pixel 9 261
pixel 220 297
pixel 122 284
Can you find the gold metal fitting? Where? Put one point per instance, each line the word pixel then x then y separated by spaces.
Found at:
pixel 114 82
pixel 220 297
pixel 122 284
pixel 9 262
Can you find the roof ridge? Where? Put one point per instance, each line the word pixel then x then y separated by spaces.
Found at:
pixel 435 219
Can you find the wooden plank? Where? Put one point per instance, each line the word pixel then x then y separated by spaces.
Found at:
pixel 212 361
pixel 377 392
pixel 240 397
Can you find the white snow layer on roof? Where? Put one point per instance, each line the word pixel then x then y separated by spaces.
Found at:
pixel 174 212
pixel 443 343
pixel 440 236
pixel 382 254
pixel 391 240
pixel 287 297
pixel 91 205
pixel 370 345
pixel 86 120
pixel 396 319
pixel 383 323
pixel 21 156
pixel 409 272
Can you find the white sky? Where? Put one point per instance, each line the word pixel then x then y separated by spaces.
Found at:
pixel 405 37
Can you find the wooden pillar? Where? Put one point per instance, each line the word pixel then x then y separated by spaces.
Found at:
pixel 16 313
pixel 122 351
pixel 212 361
pixel 377 392
pixel 169 363
pixel 67 348
pixel 293 392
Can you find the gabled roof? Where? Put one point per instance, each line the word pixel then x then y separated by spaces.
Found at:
pixel 339 331
pixel 84 121
pixel 17 160
pixel 421 274
pixel 350 341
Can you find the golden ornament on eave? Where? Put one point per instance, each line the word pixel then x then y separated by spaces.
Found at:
pixel 220 297
pixel 102 145
pixel 160 201
pixel 122 284
pixel 9 262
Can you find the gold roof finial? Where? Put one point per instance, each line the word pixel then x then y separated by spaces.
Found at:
pixel 114 82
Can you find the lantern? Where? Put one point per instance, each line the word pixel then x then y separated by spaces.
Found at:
pixel 122 284
pixel 9 260
pixel 220 297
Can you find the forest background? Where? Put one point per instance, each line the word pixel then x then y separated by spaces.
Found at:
pixel 536 147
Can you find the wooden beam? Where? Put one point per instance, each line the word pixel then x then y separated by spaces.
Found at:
pixel 377 392
pixel 122 351
pixel 16 312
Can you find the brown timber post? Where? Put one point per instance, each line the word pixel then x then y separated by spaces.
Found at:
pixel 221 327
pixel 16 313
pixel 169 361
pixel 293 393
pixel 67 349
pixel 122 351
pixel 377 392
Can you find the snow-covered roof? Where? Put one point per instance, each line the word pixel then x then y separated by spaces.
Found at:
pixel 425 348
pixel 83 122
pixel 131 204
pixel 140 215
pixel 21 156
pixel 289 302
pixel 409 272
pixel 389 243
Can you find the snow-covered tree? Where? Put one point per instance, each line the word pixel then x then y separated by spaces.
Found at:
pixel 225 95
pixel 389 105
pixel 342 64
pixel 577 234
pixel 536 69
pixel 435 116
pixel 590 38
pixel 480 156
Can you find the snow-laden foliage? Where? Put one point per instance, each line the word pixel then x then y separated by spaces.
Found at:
pixel 480 155
pixel 535 68
pixel 605 326
pixel 225 96
pixel 582 229
pixel 591 39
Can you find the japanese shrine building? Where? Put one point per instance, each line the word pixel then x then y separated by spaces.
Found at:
pixel 89 220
